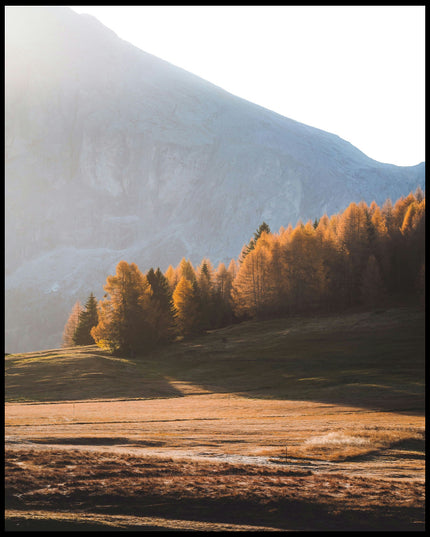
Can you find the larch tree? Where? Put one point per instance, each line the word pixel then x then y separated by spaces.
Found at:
pixel 305 271
pixel 88 318
pixel 185 269
pixel 372 288
pixel 250 287
pixel 223 285
pixel 186 304
pixel 223 281
pixel 125 316
pixel 171 277
pixel 233 269
pixel 353 236
pixel 71 324
pixel 205 293
pixel 263 228
pixel 413 235
pixel 278 289
pixel 400 208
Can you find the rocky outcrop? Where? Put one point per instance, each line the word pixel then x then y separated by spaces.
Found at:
pixel 114 154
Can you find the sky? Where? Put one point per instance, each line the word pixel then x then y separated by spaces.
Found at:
pixel 354 71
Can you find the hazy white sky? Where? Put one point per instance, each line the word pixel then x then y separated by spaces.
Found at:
pixel 355 71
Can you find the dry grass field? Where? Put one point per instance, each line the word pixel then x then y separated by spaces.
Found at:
pixel 293 424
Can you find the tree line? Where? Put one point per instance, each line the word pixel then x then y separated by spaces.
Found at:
pixel 366 255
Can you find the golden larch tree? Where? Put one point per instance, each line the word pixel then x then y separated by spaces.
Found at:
pixel 125 320
pixel 71 325
pixel 250 290
pixel 186 304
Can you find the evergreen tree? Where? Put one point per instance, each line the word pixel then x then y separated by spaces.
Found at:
pixel 71 324
pixel 162 306
pixel 88 318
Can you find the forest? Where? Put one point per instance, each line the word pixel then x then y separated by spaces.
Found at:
pixel 367 256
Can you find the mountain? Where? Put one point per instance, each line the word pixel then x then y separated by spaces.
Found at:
pixel 112 153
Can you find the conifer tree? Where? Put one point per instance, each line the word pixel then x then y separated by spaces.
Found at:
pixel 372 288
pixel 263 228
pixel 419 194
pixel 353 236
pixel 205 293
pixel 305 269
pixel 185 269
pixel 251 285
pixel 186 305
pixel 162 306
pixel 233 269
pixel 222 296
pixel 71 324
pixel 171 277
pixel 88 318
pixel 125 314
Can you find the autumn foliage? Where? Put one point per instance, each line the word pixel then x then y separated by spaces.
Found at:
pixel 366 255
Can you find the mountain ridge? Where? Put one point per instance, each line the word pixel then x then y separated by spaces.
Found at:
pixel 112 153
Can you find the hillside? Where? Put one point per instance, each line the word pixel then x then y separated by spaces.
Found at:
pixel 364 358
pixel 112 154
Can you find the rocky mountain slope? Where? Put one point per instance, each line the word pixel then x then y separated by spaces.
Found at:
pixel 112 153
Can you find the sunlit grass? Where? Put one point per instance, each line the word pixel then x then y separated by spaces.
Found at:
pixel 343 445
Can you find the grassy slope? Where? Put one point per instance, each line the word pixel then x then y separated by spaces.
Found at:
pixel 371 359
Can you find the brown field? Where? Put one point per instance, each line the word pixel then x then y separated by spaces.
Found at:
pixel 206 458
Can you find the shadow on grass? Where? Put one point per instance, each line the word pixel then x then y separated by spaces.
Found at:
pixel 362 360
pixel 367 359
pixel 81 373
pixel 282 514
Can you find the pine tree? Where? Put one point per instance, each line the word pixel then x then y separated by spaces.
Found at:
pixel 71 324
pixel 88 318
pixel 125 314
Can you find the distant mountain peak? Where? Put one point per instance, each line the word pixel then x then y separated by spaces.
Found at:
pixel 112 153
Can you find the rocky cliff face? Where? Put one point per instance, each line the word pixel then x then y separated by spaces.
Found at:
pixel 114 154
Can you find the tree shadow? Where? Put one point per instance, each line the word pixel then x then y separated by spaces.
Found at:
pixel 379 366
